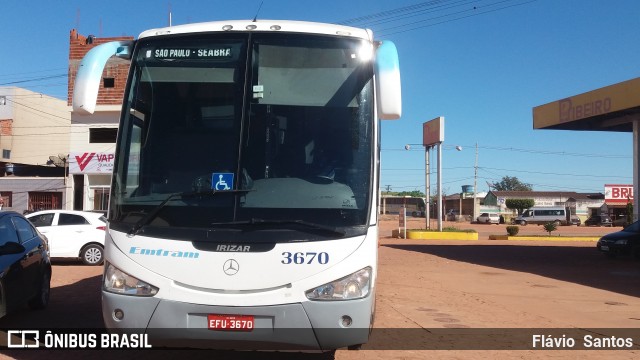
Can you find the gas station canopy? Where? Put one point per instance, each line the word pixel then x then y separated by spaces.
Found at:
pixel 611 108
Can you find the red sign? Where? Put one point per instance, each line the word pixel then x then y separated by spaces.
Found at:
pixel 433 132
pixel 618 193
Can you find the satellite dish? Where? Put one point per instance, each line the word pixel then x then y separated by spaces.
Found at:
pixel 57 161
pixel 63 157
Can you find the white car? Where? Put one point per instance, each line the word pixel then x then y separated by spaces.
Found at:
pixel 488 218
pixel 72 234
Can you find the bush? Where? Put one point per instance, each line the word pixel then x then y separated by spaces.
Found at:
pixel 513 230
pixel 549 227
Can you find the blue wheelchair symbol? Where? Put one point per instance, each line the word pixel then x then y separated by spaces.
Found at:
pixel 222 181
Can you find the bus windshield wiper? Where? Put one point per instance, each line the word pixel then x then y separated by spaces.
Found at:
pixel 156 210
pixel 301 223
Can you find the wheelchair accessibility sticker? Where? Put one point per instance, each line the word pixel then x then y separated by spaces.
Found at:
pixel 222 181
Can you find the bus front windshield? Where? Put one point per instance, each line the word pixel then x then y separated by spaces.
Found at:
pixel 220 131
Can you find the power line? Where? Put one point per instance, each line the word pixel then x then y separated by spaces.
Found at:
pixel 534 151
pixel 34 79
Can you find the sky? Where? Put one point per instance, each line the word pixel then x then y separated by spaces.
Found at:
pixel 482 65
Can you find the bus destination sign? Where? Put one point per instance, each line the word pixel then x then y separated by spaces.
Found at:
pixel 204 53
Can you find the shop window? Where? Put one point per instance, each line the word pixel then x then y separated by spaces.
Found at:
pixel 42 200
pixel 100 199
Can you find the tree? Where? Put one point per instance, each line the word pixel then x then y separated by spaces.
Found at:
pixel 414 193
pixel 549 227
pixel 519 204
pixel 509 183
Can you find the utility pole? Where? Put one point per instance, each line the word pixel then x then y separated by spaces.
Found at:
pixel 427 188
pixel 475 185
pixel 439 166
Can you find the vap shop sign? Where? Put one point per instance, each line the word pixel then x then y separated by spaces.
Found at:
pixel 91 163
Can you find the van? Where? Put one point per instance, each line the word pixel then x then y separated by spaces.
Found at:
pixel 543 215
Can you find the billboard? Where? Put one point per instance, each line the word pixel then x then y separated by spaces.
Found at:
pixel 618 194
pixel 433 132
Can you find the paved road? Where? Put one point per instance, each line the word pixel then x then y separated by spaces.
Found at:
pixel 425 288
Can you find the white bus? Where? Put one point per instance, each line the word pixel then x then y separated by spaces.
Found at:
pixel 543 215
pixel 244 191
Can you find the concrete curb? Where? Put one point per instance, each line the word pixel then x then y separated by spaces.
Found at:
pixel 436 235
pixel 554 238
pixel 472 236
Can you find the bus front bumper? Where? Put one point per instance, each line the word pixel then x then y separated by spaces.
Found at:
pixel 307 326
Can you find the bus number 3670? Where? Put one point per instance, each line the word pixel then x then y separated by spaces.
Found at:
pixel 305 258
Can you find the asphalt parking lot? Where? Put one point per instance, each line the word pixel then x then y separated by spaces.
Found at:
pixel 427 288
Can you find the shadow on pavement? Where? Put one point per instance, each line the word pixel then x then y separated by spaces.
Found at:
pixel 579 265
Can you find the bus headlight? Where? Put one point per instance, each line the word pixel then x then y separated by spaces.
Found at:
pixel 354 286
pixel 119 282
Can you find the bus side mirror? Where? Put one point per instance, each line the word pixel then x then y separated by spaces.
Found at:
pixel 388 87
pixel 87 83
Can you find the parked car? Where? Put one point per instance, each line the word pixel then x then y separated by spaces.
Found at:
pixel 621 221
pixel 488 218
pixel 25 268
pixel 598 220
pixel 624 242
pixel 575 220
pixel 73 234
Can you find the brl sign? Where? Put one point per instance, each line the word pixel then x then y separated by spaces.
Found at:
pixel 618 193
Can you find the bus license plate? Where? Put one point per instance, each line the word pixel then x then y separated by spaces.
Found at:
pixel 230 322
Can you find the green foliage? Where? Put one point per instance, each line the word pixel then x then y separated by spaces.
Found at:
pixel 513 230
pixel 519 204
pixel 551 226
pixel 509 183
pixel 414 193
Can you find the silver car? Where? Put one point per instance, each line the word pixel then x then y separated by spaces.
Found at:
pixel 488 218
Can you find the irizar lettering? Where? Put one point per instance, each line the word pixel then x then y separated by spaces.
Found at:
pixel 241 248
pixel 163 253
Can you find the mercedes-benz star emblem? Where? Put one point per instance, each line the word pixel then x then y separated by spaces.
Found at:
pixel 231 267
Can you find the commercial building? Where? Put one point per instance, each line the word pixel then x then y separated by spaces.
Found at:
pixel 93 137
pixel 34 137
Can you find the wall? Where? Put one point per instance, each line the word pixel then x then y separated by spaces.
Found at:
pixel 39 128
pixel 116 68
pixel 20 187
